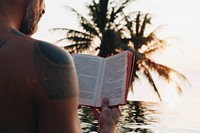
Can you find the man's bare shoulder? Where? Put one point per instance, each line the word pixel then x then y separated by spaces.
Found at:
pixel 53 53
pixel 53 67
pixel 55 70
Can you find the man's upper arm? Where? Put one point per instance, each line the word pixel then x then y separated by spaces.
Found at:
pixel 56 74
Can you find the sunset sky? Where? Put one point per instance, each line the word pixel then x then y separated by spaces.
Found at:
pixel 181 19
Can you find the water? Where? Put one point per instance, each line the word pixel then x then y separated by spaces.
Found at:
pixel 182 116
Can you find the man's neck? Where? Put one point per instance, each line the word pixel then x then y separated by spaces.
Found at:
pixel 10 18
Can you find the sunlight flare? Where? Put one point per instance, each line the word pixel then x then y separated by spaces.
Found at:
pixel 171 97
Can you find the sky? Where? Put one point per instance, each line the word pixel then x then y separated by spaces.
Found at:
pixel 179 19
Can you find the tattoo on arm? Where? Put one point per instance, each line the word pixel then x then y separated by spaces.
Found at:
pixel 56 75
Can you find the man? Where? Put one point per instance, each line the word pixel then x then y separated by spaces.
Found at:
pixel 38 83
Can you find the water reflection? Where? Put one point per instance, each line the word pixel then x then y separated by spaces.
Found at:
pixel 137 117
pixel 88 121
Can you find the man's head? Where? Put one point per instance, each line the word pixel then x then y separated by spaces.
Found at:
pixel 33 12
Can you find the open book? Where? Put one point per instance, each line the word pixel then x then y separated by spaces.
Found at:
pixel 104 77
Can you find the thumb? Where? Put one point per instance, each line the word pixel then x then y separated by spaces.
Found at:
pixel 105 103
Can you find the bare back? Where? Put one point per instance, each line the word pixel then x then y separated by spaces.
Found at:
pixel 36 87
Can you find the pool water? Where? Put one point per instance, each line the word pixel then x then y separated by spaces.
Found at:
pixel 149 117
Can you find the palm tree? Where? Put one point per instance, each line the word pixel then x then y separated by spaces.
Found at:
pixel 108 31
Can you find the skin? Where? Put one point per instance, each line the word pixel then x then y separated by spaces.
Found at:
pixel 107 117
pixel 38 81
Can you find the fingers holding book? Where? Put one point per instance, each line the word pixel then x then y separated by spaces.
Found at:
pixel 107 116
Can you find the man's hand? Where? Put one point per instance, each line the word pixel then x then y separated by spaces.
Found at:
pixel 107 117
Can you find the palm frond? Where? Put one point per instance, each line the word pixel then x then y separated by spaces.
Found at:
pixel 156 45
pixel 103 13
pixel 137 21
pixel 123 4
pixel 87 25
pixel 112 15
pixel 94 11
pixel 163 70
pixel 117 12
pixel 72 31
pixel 77 48
pixel 129 25
pixel 89 28
pixel 79 39
pixel 99 12
pixel 74 35
pixel 147 74
pixel 61 40
pixel 144 23
pixel 166 72
pixel 178 88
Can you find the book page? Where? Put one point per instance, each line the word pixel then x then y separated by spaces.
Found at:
pixel 88 71
pixel 113 82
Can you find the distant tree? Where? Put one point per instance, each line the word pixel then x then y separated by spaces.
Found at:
pixel 108 31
